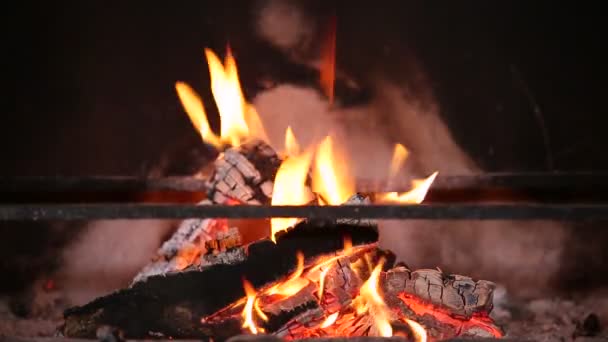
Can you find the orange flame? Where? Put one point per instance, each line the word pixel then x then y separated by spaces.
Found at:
pixel 293 284
pixel 400 154
pixel 247 314
pixel 414 196
pixel 370 299
pixel 331 179
pixel 328 62
pixel 193 105
pixel 330 320
pixel 417 329
pixel 238 119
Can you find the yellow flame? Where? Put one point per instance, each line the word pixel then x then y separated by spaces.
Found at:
pixel 294 283
pixel 400 154
pixel 322 281
pixel 331 179
pixel 238 119
pixel 418 330
pixel 228 96
pixel 258 310
pixel 370 299
pixel 193 105
pixel 292 148
pixel 414 196
pixel 247 314
pixel 290 189
pixel 331 319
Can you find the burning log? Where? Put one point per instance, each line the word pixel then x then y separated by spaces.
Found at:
pixel 242 174
pixel 446 305
pixel 173 303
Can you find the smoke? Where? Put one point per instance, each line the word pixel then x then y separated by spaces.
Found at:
pixel 107 255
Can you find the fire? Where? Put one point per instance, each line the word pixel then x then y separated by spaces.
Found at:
pixel 371 300
pixel 400 154
pixel 322 281
pixel 417 330
pixel 248 321
pixel 292 148
pixel 331 179
pixel 294 283
pixel 193 105
pixel 414 196
pixel 238 119
pixel 331 319
pixel 290 184
pixel 328 62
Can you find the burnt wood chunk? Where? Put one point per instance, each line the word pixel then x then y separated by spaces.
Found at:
pixel 245 174
pixel 174 303
pixel 461 296
pixel 193 238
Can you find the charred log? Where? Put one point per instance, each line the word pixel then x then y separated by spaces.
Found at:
pixel 174 303
pixel 446 305
pixel 244 173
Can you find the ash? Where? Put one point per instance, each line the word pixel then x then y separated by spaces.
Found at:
pixel 580 317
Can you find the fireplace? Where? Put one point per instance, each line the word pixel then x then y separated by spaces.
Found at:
pixel 314 190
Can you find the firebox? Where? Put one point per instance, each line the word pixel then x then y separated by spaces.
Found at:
pixel 309 177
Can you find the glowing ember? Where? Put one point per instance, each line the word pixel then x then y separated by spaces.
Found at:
pixel 248 321
pixel 187 256
pixel 421 308
pixel 330 320
pixel 331 179
pixel 418 330
pixel 400 154
pixel 370 300
pixel 414 196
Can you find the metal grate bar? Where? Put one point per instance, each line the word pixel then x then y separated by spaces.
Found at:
pixel 526 211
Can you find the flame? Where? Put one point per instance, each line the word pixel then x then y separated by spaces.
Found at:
pixel 193 105
pixel 292 148
pixel 331 179
pixel 348 243
pixel 370 299
pixel 247 313
pixel 414 196
pixel 417 330
pixel 290 189
pixel 400 154
pixel 294 283
pixel 331 319
pixel 328 62
pixel 238 119
pixel 322 281
pixel 258 310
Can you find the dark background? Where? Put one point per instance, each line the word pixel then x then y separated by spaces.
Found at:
pixel 90 84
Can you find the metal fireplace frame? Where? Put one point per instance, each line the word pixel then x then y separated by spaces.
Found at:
pixel 493 196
